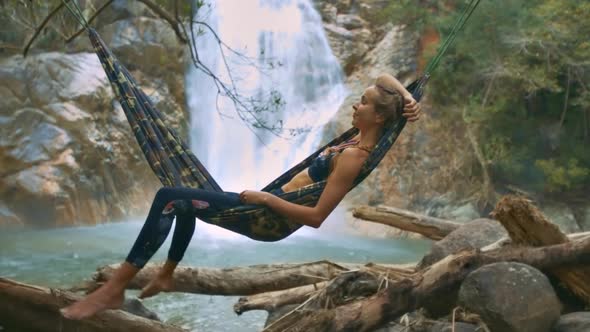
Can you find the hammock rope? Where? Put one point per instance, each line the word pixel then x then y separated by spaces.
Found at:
pixel 77 13
pixel 458 26
pixel 175 165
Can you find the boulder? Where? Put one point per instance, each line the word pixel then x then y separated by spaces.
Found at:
pixel 511 297
pixel 67 153
pixel 472 235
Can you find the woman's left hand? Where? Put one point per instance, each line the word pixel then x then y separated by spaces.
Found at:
pixel 411 108
pixel 254 197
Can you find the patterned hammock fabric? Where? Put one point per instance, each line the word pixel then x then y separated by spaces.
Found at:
pixel 176 165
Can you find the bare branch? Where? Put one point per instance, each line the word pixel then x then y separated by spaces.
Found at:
pixel 174 24
pixel 43 24
pixel 245 107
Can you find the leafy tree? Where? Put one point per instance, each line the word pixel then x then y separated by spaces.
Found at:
pixel 521 68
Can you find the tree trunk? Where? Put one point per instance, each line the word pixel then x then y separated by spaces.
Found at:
pixel 31 308
pixel 430 227
pixel 526 225
pixel 233 281
pixel 439 280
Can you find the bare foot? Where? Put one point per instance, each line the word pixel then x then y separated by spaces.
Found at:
pixel 157 285
pixel 102 299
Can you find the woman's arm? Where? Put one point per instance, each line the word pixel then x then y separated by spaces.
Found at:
pixel 339 183
pixel 397 85
pixel 411 108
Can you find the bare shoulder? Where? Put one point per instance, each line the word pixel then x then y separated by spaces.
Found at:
pixel 353 158
pixel 352 153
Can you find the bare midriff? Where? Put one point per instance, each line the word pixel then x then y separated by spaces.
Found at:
pixel 303 179
pixel 300 180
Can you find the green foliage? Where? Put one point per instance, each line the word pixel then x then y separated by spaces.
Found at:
pixel 562 175
pixel 510 68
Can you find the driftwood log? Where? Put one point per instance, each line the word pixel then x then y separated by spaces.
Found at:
pixel 439 280
pixel 31 308
pixel 430 227
pixel 270 301
pixel 230 281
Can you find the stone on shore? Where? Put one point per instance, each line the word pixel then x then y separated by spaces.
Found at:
pixel 511 297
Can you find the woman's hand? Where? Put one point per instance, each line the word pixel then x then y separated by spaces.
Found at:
pixel 328 150
pixel 254 197
pixel 411 108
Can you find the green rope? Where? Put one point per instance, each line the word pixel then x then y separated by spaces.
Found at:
pixel 465 15
pixel 77 13
pixel 446 42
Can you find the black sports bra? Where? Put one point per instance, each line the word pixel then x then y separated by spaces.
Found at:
pixel 320 167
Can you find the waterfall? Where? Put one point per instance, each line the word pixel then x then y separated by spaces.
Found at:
pixel 288 35
pixel 308 77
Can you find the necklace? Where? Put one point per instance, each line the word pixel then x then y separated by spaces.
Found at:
pixel 367 148
pixel 351 144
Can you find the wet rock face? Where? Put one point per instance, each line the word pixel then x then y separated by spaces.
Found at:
pixel 351 29
pixel 511 297
pixel 67 154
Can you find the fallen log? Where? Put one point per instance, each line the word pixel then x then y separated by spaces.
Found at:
pixel 526 225
pixel 506 240
pixel 31 308
pixel 439 280
pixel 271 301
pixel 430 227
pixel 231 281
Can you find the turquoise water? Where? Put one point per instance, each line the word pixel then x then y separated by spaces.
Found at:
pixel 64 257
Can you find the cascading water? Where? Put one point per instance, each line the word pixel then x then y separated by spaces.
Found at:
pixel 288 34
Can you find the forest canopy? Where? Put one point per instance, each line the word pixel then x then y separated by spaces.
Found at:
pixel 520 70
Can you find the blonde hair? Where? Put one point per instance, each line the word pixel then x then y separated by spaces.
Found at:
pixel 389 102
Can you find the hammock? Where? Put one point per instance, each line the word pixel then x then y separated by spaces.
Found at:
pixel 175 165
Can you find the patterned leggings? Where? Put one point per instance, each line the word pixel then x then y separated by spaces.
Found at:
pixel 159 221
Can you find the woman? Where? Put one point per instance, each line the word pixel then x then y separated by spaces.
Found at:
pixel 379 106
